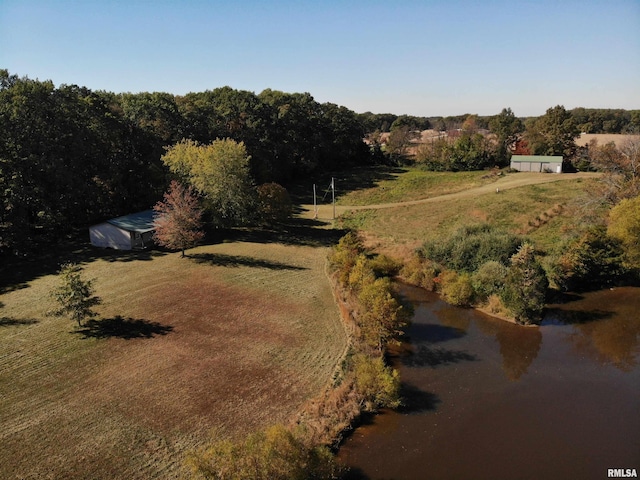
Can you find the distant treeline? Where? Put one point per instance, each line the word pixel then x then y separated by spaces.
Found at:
pixel 588 120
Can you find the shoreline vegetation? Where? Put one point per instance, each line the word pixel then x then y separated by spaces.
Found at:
pixel 494 271
pixel 362 383
pixel 464 244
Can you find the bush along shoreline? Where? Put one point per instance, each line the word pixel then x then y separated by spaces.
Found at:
pixel 503 275
pixel 373 318
pixel 485 268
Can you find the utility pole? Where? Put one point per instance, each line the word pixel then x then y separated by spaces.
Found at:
pixel 333 195
pixel 315 205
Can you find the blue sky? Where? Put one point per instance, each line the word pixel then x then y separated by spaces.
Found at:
pixel 421 58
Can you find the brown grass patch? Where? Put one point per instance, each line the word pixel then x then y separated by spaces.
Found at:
pixel 603 138
pixel 228 345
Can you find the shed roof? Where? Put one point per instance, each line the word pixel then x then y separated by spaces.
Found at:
pixel 536 158
pixel 135 222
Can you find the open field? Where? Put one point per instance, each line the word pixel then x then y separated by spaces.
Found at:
pixel 397 228
pixel 234 338
pixel 415 184
pixel 604 138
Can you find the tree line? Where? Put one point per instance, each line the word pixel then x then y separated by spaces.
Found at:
pixel 70 156
pixel 587 120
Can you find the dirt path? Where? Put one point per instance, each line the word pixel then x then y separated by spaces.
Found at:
pixel 504 183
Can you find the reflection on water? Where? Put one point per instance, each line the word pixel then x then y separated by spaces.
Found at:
pixel 488 399
pixel 609 336
pixel 518 348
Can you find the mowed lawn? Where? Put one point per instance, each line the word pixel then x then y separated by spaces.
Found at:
pixel 234 338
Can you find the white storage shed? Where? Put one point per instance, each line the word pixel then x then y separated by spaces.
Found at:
pixel 129 232
pixel 537 163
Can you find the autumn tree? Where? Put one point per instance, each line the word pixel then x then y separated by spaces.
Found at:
pixel 630 150
pixel 178 221
pixel 274 203
pixel 273 453
pixel 220 172
pixel 621 168
pixel 382 317
pixel 74 295
pixel 624 225
pixel 400 139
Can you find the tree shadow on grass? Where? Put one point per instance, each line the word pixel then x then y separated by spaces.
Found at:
pixel 222 260
pixel 357 178
pixel 17 272
pixel 8 321
pixel 295 231
pixel 120 327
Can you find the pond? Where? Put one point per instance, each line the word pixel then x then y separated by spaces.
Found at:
pixel 486 399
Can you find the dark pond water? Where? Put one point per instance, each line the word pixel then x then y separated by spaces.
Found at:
pixel 490 400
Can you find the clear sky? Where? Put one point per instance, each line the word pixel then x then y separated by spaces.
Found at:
pixel 422 58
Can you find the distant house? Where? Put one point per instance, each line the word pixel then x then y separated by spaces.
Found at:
pixel 537 163
pixel 130 232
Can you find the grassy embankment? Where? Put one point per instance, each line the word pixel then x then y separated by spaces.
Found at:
pixel 544 212
pixel 233 339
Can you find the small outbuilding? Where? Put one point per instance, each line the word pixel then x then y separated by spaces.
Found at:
pixel 537 163
pixel 130 232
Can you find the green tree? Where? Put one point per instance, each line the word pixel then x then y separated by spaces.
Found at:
pixel 74 295
pixel 295 139
pixel 471 246
pixel 156 113
pixel 344 256
pixel 220 173
pixel 455 288
pixel 361 273
pixel 525 286
pixel 488 279
pixel 553 133
pixel 178 221
pixel 507 128
pixel 592 260
pixel 67 158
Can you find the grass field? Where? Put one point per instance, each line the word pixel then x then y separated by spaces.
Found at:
pixel 604 138
pixel 234 338
pixel 414 184
pixel 540 210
